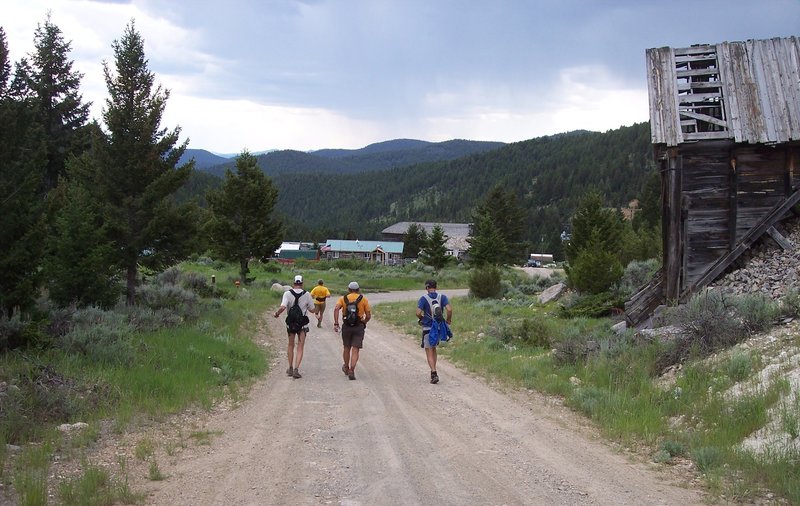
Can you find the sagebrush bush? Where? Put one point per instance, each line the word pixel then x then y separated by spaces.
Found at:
pixel 484 283
pixel 592 306
pixel 535 331
pixel 102 343
pixel 170 276
pixel 790 303
pixel 757 311
pixel 637 274
pixel 166 297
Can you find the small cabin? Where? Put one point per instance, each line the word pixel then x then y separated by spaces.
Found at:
pixel 725 127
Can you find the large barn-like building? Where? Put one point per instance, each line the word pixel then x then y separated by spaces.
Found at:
pixel 725 125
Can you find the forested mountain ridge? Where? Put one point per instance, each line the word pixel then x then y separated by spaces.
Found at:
pixel 548 175
pixel 378 156
pixel 202 159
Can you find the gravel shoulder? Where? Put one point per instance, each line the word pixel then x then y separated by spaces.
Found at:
pixel 391 437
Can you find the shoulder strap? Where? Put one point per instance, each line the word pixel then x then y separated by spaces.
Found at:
pixel 360 296
pixel 297 296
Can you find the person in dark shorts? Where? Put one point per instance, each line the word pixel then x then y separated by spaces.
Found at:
pixel 352 331
pixel 424 307
pixel 296 295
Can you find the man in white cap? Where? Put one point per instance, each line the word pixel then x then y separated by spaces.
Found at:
pixel 356 314
pixel 299 303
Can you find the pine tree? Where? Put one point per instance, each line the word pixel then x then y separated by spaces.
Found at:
pixel 434 253
pixel 79 267
pixel 22 162
pixel 486 245
pixel 242 226
pixel 138 170
pixel 413 240
pixel 59 104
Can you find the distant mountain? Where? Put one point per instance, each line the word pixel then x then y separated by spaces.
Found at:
pixel 548 174
pixel 202 159
pixel 378 156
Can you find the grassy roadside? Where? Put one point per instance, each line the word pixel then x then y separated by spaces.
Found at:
pixel 120 369
pixel 689 417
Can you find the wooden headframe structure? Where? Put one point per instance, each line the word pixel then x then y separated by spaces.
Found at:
pixel 725 126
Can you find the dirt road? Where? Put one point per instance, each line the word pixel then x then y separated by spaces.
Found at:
pixel 391 437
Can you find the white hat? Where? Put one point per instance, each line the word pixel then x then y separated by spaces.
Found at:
pixel 353 285
pixel 298 279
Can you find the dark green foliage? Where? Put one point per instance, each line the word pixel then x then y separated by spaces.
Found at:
pixel 413 240
pixel 547 175
pixel 594 306
pixel 59 105
pixel 79 266
pixel 593 250
pixel 484 282
pixel 135 168
pixel 497 237
pixel 242 226
pixel 22 164
pixel 594 271
pixel 486 246
pixel 637 274
pixel 434 252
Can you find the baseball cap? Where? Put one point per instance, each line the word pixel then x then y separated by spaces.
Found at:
pixel 353 285
pixel 298 279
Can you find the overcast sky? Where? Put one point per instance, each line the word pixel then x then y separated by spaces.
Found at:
pixel 282 74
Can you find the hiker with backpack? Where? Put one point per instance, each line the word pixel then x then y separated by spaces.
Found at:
pixel 435 314
pixel 320 294
pixel 355 315
pixel 299 303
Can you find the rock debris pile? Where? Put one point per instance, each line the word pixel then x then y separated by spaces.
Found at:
pixel 766 267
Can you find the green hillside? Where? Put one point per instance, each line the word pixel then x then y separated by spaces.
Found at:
pixel 378 156
pixel 548 174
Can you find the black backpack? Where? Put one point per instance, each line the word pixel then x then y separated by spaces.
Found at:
pixel 295 319
pixel 351 311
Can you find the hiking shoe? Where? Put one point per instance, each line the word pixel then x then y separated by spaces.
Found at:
pixel 289 371
pixel 296 374
pixel 319 325
pixel 351 375
pixel 434 378
pixel 344 369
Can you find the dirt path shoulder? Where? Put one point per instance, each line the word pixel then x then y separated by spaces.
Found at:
pixel 391 437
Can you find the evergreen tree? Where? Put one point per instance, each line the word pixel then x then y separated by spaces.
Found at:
pixel 413 240
pixel 22 162
pixel 59 104
pixel 500 221
pixel 486 245
pixel 138 170
pixel 434 253
pixel 79 267
pixel 596 246
pixel 241 225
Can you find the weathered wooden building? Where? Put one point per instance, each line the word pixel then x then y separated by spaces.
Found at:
pixel 725 126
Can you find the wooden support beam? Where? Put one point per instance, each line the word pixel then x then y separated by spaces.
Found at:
pixel 673 246
pixel 733 203
pixel 783 242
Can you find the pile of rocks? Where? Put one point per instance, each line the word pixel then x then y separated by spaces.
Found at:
pixel 766 268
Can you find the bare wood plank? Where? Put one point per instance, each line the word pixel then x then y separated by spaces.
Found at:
pixel 697 73
pixel 698 85
pixel 706 118
pixel 783 242
pixel 692 98
pixel 706 135
pixel 698 49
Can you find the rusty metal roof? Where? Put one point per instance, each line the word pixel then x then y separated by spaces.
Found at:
pixel 746 91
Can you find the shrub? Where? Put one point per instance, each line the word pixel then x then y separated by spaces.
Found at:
pixel 484 283
pixel 637 274
pixel 756 311
pixel 591 306
pixel 167 296
pixel 594 271
pixel 707 458
pixel 570 349
pixel 171 276
pixel 535 331
pixel 790 303
pixel 103 343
